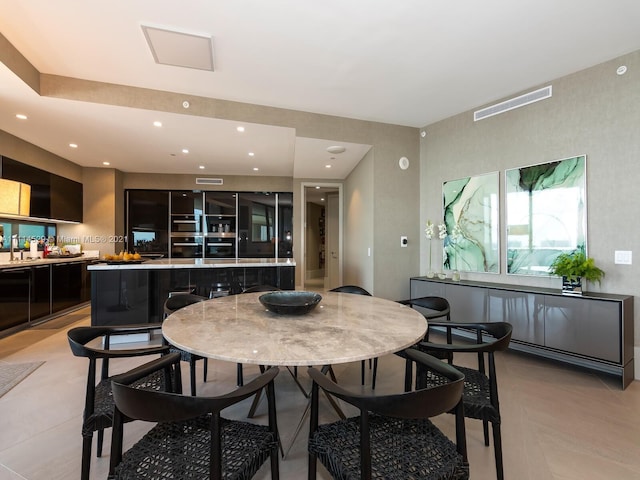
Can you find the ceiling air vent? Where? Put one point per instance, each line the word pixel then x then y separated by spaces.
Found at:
pixel 516 102
pixel 209 181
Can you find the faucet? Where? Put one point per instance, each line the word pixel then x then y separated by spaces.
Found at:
pixel 14 241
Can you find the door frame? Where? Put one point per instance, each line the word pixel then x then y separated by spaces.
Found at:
pixel 303 256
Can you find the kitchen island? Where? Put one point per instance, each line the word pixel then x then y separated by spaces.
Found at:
pixel 134 292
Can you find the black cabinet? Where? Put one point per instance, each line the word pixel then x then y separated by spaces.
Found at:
pixel 66 285
pixel 40 302
pixel 14 297
pixel 52 196
pixel 119 297
pixel 148 221
pixel 66 199
pixel 256 225
pixel 593 330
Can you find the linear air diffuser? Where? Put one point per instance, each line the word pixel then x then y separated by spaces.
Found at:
pixel 209 181
pixel 513 103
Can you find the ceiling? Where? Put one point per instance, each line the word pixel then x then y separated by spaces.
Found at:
pixel 409 63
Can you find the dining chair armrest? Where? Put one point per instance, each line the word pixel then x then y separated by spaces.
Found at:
pixel 452 347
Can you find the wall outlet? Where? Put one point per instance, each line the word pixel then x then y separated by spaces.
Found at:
pixel 622 257
pixel 404 241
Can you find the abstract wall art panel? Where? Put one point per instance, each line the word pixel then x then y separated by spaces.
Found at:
pixel 471 214
pixel 546 213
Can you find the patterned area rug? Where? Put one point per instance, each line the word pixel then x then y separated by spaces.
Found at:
pixel 11 374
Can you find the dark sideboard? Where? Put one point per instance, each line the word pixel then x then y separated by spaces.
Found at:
pixel 594 330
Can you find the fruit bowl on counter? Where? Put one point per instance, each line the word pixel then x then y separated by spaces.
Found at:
pixel 123 258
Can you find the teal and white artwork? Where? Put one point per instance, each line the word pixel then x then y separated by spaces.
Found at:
pixel 471 207
pixel 545 213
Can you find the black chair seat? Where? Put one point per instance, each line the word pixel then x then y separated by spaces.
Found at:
pixel 181 450
pixel 476 395
pixel 398 449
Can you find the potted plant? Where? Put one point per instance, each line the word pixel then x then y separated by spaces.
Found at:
pixel 574 267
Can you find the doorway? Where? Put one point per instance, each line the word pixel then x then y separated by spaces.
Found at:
pixel 322 236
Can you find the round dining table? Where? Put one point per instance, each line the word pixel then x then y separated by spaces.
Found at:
pixel 342 328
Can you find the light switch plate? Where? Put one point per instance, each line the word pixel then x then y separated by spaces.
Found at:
pixel 403 241
pixel 623 257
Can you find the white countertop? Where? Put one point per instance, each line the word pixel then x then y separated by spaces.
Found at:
pixel 4 264
pixel 342 328
pixel 171 263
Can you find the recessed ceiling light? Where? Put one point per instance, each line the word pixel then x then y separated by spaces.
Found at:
pixel 622 69
pixel 106 163
pixel 21 116
pixel 322 199
pixel 73 145
pixel 240 128
pixel 201 167
pixel 327 166
pixel 157 124
pixel 317 188
pixel 185 150
pixel 255 169
pixel 336 149
pixel 251 154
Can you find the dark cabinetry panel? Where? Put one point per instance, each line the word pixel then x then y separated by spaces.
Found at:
pixel 120 297
pixel 66 285
pixel 137 296
pixel 40 292
pixel 148 221
pixel 14 297
pixel 593 330
pixel 52 196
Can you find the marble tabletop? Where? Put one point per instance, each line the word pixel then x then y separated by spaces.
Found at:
pixel 343 328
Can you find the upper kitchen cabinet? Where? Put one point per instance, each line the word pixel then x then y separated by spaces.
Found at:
pixel 265 223
pixel 52 196
pixel 148 221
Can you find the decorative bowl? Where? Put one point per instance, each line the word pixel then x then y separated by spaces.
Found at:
pixel 290 302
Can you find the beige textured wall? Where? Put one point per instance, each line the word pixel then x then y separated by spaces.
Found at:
pixel 25 152
pixel 359 226
pixel 593 112
pixel 100 229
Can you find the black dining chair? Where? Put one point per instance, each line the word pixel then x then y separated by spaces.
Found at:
pixel 357 290
pixel 191 440
pixel 95 344
pixel 432 307
pixel 480 397
pixel 392 437
pixel 175 302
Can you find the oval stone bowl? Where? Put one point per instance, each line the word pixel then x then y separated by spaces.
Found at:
pixel 290 302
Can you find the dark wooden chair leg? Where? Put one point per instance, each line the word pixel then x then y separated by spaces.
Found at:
pixel 239 379
pixel 362 368
pixel 375 371
pixel 192 375
pixel 86 456
pixel 497 447
pixel 485 428
pixel 100 443
pixel 206 368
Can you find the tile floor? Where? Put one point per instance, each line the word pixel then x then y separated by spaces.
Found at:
pixel 558 422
